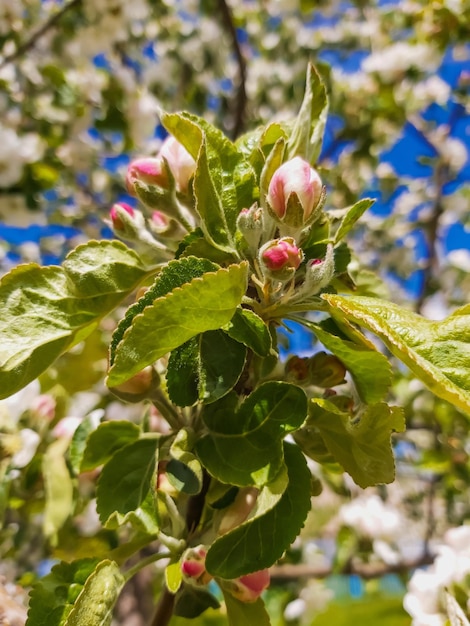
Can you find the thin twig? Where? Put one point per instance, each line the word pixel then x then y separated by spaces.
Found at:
pixel 241 97
pixel 42 30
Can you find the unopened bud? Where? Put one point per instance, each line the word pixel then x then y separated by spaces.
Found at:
pixel 239 510
pixel 326 370
pixel 318 274
pixel 151 171
pixel 280 258
pixel 118 215
pixel 297 370
pixel 295 195
pixel 139 387
pixel 180 162
pixel 250 223
pixel 249 588
pixel 193 566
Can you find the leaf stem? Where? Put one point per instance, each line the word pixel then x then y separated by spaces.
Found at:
pixel 153 558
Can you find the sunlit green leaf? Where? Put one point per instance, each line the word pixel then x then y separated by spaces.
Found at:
pixel 107 439
pixel 351 217
pixel 249 329
pixel 437 352
pixel 244 613
pixel 58 488
pixel 206 303
pixel 244 444
pixel 47 310
pixel 276 522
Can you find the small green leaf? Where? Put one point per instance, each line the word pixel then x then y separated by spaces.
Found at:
pixel 245 613
pixel 221 362
pixel 263 538
pixel 249 329
pixel 437 352
pixel 58 488
pixel 307 134
pixel 173 576
pixel 210 206
pixel 182 374
pixel 95 603
pixel 206 303
pixel 125 484
pixel 351 217
pixel 231 172
pixel 192 602
pixel 78 443
pixel 361 445
pixel 184 470
pixel 52 599
pixel 107 439
pixel 47 310
pixel 370 369
pixel 244 445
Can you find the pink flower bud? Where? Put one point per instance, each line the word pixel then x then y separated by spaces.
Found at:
pixel 43 406
pixel 116 219
pixel 294 183
pixel 66 427
pixel 150 170
pixel 180 162
pixel 160 221
pixel 193 566
pixel 249 588
pixel 279 255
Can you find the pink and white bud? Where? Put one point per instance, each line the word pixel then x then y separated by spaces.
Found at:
pixel 117 214
pixel 43 407
pixel 239 510
pixel 180 162
pixel 148 170
pixel 193 566
pixel 249 588
pixel 280 257
pixel 66 428
pixel 294 185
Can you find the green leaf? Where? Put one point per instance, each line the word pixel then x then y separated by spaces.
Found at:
pixel 126 485
pixel 94 606
pixel 47 310
pixel 222 360
pixel 107 439
pixel 244 445
pixel 244 613
pixel 191 602
pixel 173 576
pixel 210 206
pixel 174 274
pixel 79 441
pixel 307 134
pixel 206 303
pixel 351 217
pixel 52 599
pixel 249 329
pixel 263 538
pixel 361 445
pixel 437 352
pixel 58 488
pixel 231 172
pixel 369 369
pixel 184 470
pixel 182 374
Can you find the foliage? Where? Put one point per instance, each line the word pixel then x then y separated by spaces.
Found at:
pixel 220 481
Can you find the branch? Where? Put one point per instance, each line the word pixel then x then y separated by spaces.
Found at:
pixel 42 30
pixel 432 232
pixel 241 97
pixel 364 570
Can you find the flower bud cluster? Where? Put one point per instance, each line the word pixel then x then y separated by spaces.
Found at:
pixel 246 588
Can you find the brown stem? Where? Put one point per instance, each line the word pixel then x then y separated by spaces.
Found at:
pixel 432 232
pixel 241 97
pixel 164 609
pixel 42 30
